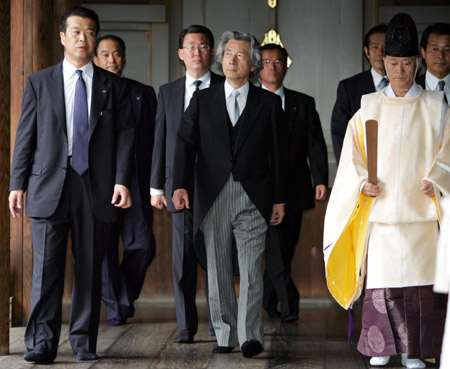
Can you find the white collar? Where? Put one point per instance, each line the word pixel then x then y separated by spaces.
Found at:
pixel 69 69
pixel 431 82
pixel 377 77
pixel 414 91
pixel 279 92
pixel 243 90
pixel 205 78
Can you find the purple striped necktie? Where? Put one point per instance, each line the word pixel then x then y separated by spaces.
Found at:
pixel 80 146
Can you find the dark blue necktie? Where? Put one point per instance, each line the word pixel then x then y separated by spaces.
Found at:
pixel 80 127
pixel 441 85
pixel 197 84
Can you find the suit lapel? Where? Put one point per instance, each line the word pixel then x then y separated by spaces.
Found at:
pixel 56 89
pixel 251 112
pixel 290 107
pixel 100 90
pixel 220 114
pixel 177 99
pixel 136 96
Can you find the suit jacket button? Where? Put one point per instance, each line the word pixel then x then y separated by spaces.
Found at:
pixel 64 168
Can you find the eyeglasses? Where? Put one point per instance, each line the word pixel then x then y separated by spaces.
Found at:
pixel 275 62
pixel 202 48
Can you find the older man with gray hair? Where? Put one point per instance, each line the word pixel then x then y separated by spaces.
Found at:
pixel 237 133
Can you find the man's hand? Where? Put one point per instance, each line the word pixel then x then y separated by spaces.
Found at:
pixel 427 188
pixel 121 197
pixel 15 202
pixel 180 199
pixel 371 190
pixel 277 214
pixel 321 192
pixel 158 201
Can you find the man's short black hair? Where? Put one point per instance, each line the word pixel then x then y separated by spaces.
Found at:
pixel 381 28
pixel 276 47
pixel 79 11
pixel 441 29
pixel 196 28
pixel 114 38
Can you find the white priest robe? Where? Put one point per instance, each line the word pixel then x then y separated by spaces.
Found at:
pixel 398 229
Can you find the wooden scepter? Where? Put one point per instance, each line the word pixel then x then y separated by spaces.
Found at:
pixel 372 149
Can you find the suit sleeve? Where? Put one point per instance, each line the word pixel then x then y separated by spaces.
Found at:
pixel 25 140
pixel 159 148
pixel 317 148
pixel 125 128
pixel 340 118
pixel 186 146
pixel 279 153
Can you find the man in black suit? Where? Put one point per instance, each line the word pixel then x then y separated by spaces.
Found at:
pixel 435 49
pixel 350 90
pixel 306 145
pixel 235 135
pixel 121 284
pixel 73 156
pixel 196 50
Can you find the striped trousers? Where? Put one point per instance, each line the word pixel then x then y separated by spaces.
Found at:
pixel 234 215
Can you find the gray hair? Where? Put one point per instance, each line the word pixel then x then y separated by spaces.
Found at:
pixel 255 49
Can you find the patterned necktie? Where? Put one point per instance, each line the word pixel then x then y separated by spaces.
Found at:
pixel 80 127
pixel 197 84
pixel 384 82
pixel 234 107
pixel 441 85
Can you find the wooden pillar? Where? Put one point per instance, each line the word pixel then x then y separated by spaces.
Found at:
pixel 31 51
pixel 4 177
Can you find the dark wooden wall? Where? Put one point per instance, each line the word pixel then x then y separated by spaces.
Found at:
pixel 4 175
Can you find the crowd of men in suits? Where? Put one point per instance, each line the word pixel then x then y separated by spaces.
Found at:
pixel 231 161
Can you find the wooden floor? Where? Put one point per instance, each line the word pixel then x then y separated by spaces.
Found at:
pixel 318 340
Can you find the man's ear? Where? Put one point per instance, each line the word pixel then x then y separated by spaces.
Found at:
pixel 180 54
pixel 62 37
pixel 366 52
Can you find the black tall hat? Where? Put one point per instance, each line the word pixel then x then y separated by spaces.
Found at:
pixel 401 36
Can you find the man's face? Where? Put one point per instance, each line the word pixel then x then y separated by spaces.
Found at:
pixel 196 53
pixel 437 55
pixel 274 68
pixel 78 40
pixel 110 57
pixel 375 52
pixel 401 73
pixel 236 61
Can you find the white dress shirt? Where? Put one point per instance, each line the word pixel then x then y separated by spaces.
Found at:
pixel 189 89
pixel 431 83
pixel 377 77
pixel 242 98
pixel 70 78
pixel 279 92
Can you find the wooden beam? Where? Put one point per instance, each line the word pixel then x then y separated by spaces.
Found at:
pixel 4 178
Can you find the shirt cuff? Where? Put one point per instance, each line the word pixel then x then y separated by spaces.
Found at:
pixel 155 192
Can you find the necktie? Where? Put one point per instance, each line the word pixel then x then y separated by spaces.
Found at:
pixel 441 85
pixel 80 127
pixel 234 113
pixel 384 82
pixel 197 84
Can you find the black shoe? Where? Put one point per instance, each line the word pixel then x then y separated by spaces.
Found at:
pixel 86 355
pixel 222 350
pixel 290 318
pixel 251 348
pixel 273 313
pixel 115 322
pixel 184 337
pixel 39 355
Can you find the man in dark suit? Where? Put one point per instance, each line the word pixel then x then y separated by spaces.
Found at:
pixel 196 50
pixel 235 133
pixel 435 49
pixel 350 90
pixel 306 145
pixel 121 284
pixel 73 155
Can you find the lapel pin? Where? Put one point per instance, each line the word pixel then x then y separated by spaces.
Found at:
pixel 138 98
pixel 101 113
pixel 104 91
